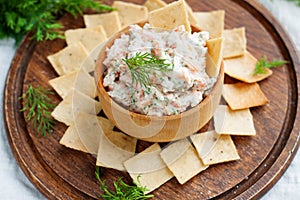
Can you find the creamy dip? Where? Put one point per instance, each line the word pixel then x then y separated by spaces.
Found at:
pixel 172 92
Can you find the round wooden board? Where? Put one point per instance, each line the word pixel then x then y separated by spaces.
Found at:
pixel 62 173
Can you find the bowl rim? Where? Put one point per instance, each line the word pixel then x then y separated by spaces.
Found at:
pixel 100 69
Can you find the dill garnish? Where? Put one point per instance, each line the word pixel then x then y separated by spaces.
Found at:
pixel 263 64
pixel 39 107
pixel 17 17
pixel 122 191
pixel 144 63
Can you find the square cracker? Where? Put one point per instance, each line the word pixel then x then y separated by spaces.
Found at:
pixel 243 95
pixel 182 159
pixel 214 56
pixel 243 67
pixel 69 58
pixel 90 65
pixel 89 37
pixel 191 15
pixel 170 16
pixel 213 22
pixel 233 122
pixel 64 84
pixel 149 168
pixel 130 13
pixel 71 140
pixel 74 102
pixel 154 4
pixel 85 133
pixel 114 149
pixel 214 148
pixel 234 42
pixel 110 22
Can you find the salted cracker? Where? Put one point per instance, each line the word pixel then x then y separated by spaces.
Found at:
pixel 234 42
pixel 154 4
pixel 183 160
pixel 114 149
pixel 89 37
pixel 214 56
pixel 71 140
pixel 64 84
pixel 191 15
pixel 243 95
pixel 233 122
pixel 85 133
pixel 214 148
pixel 243 67
pixel 170 16
pixel 69 58
pixel 148 168
pixel 73 103
pixel 110 22
pixel 130 13
pixel 212 22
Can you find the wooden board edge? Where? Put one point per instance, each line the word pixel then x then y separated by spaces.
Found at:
pixel 268 178
pixel 277 165
pixel 17 133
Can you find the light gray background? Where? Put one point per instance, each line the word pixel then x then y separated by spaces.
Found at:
pixel 14 184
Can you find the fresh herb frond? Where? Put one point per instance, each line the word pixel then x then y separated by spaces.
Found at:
pixel 75 7
pixel 46 28
pixel 17 17
pixel 122 191
pixel 263 64
pixel 39 107
pixel 144 63
pixel 105 8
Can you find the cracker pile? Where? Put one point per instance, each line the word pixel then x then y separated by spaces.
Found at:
pixel 182 159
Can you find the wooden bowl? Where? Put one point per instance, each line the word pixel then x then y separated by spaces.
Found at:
pixel 156 128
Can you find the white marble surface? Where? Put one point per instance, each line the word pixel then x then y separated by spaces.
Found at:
pixel 14 184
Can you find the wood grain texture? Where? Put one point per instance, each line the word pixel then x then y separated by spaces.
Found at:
pixel 62 173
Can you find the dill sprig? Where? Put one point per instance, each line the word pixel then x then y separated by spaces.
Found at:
pixel 17 17
pixel 39 107
pixel 263 64
pixel 144 63
pixel 122 191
